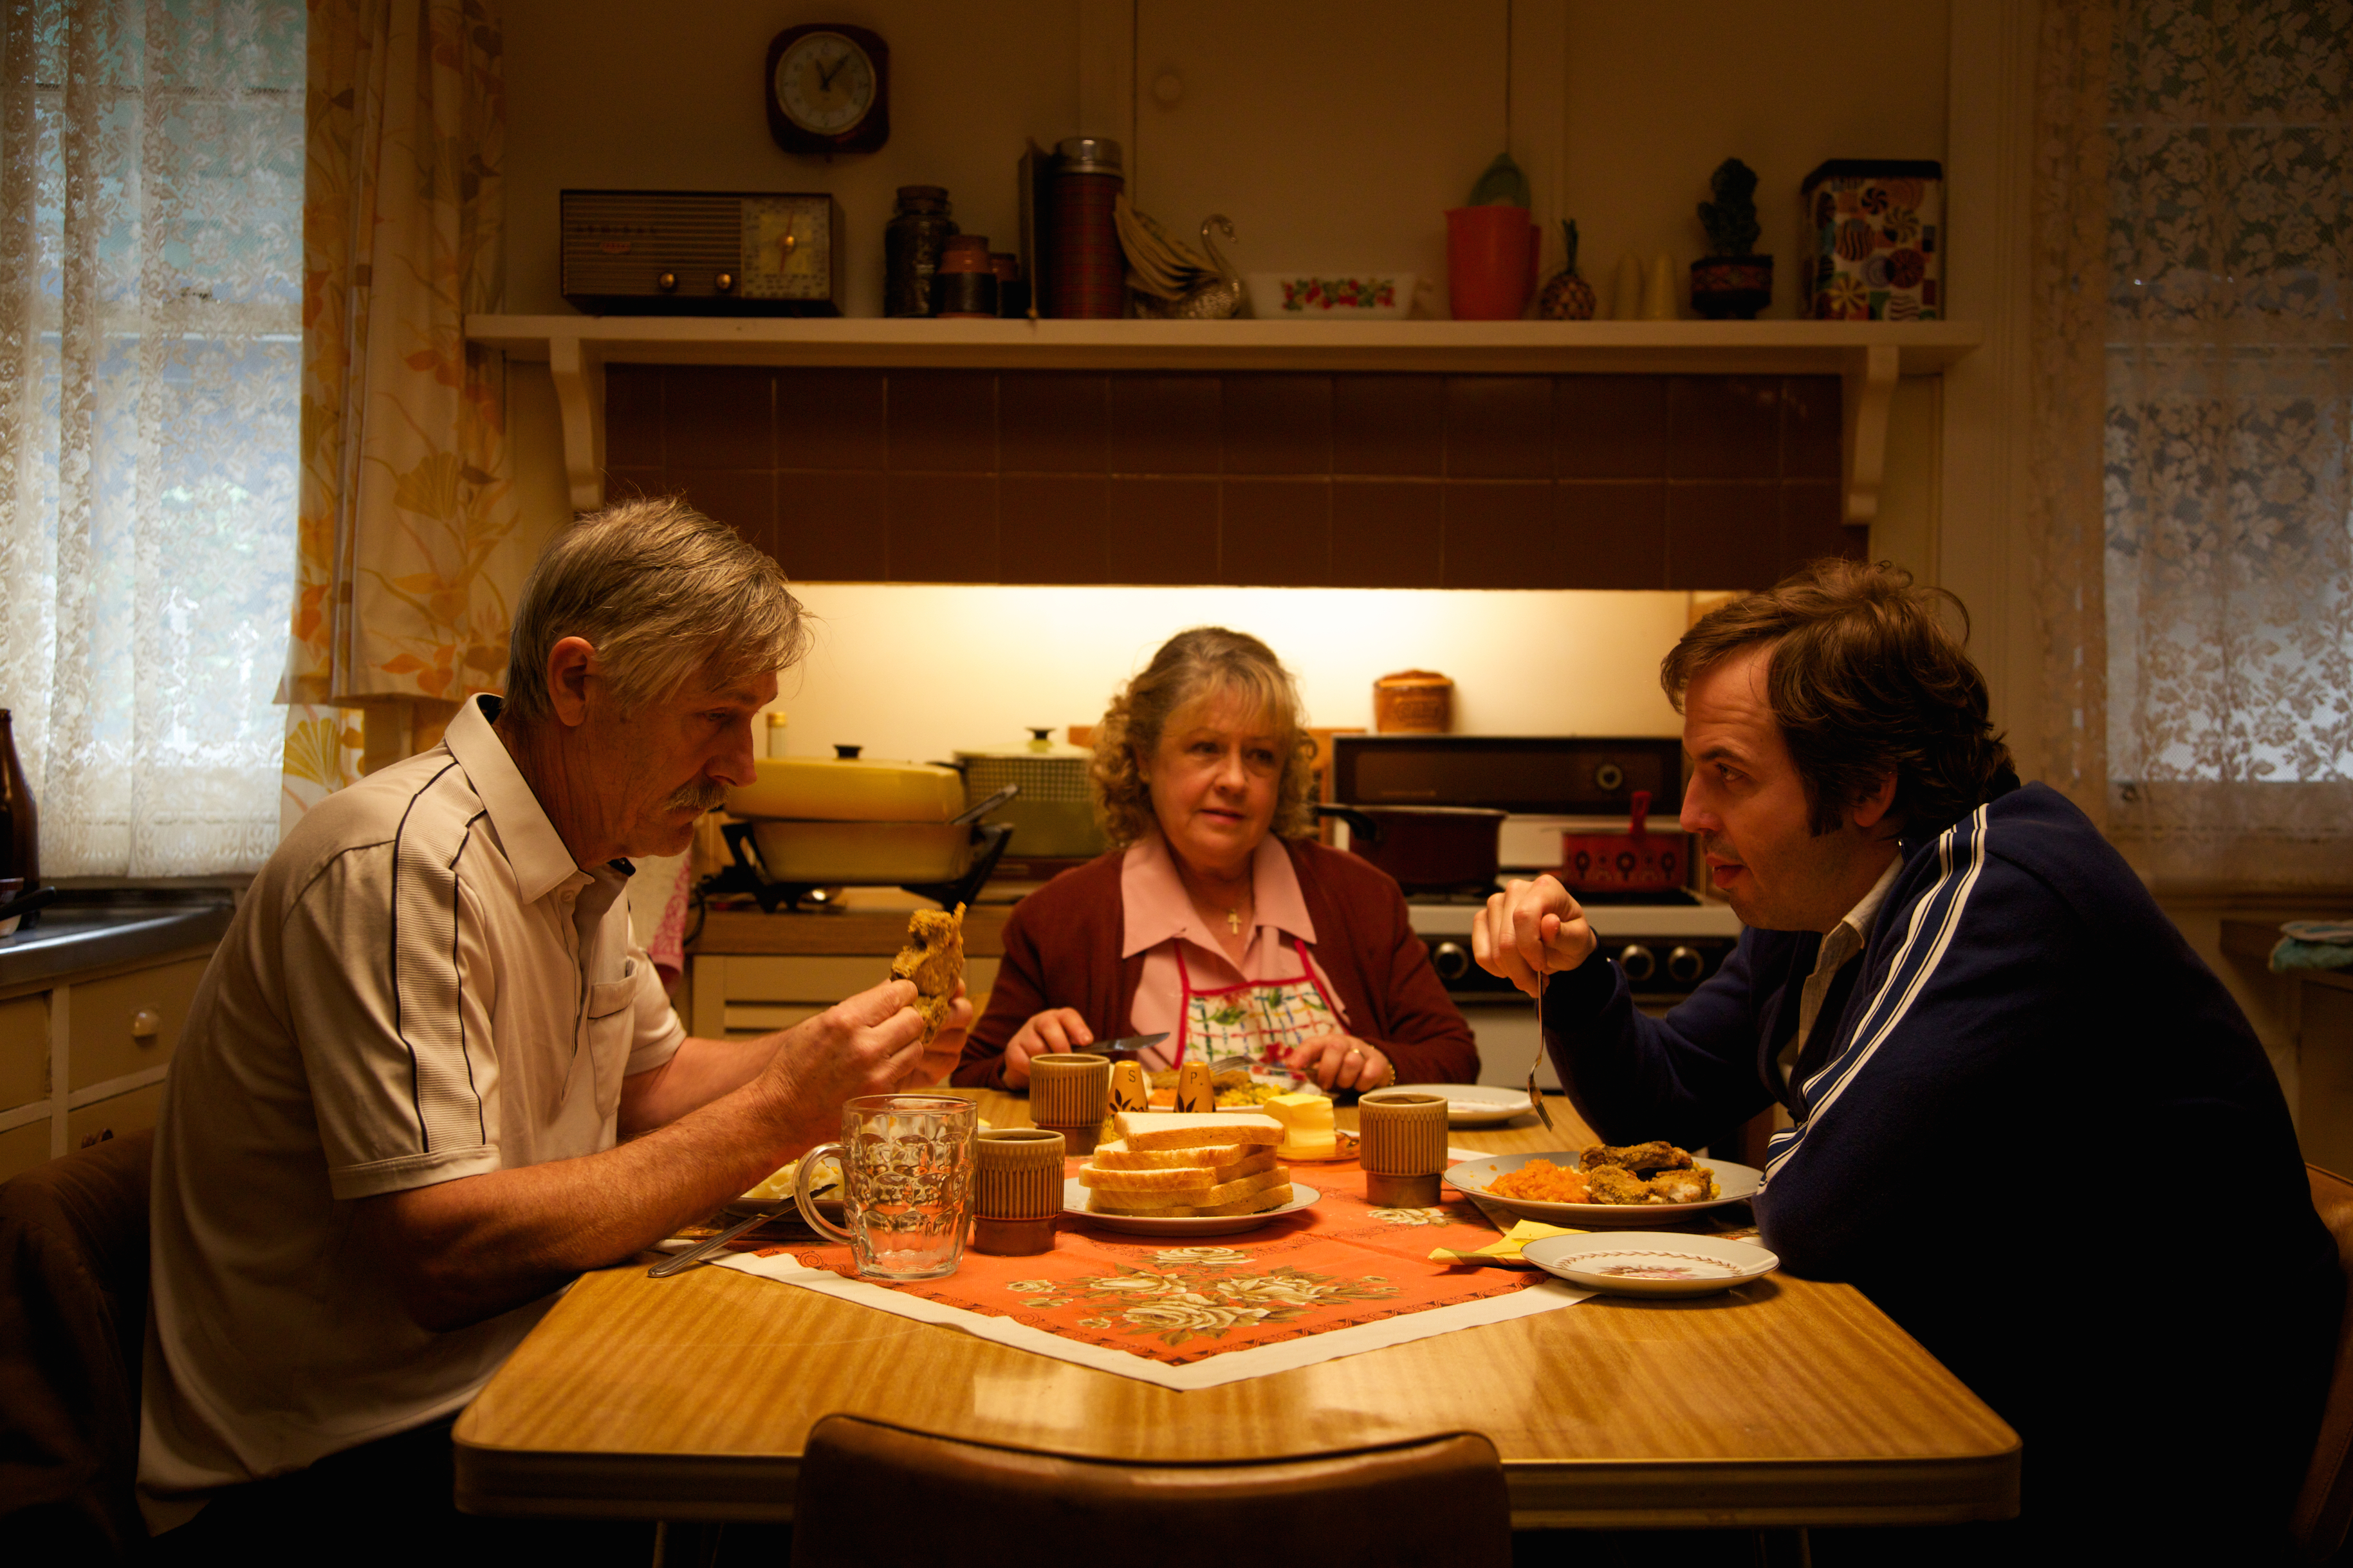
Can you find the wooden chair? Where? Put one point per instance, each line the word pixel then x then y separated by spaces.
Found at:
pixel 881 1496
pixel 2323 1509
pixel 73 1318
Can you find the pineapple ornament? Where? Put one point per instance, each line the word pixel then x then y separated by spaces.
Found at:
pixel 1567 297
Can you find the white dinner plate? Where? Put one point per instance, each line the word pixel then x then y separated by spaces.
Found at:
pixel 1476 1104
pixel 1651 1262
pixel 1733 1182
pixel 1074 1206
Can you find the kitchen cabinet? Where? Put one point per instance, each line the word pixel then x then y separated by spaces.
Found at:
pixel 82 1057
pixel 92 1002
pixel 752 972
pixel 1866 358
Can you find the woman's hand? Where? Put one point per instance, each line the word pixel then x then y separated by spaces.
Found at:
pixel 1341 1061
pixel 1055 1029
pixel 1531 928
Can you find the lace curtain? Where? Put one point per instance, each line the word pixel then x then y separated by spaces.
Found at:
pixel 409 555
pixel 151 180
pixel 2194 227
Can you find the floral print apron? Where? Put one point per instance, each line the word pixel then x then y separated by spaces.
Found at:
pixel 1258 1019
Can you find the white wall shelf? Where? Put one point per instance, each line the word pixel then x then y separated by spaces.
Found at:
pixel 1869 356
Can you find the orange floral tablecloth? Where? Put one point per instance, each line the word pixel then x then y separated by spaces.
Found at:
pixel 1178 1301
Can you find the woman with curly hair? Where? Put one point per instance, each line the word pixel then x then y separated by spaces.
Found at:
pixel 1217 920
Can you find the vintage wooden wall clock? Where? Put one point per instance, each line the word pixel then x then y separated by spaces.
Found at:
pixel 829 90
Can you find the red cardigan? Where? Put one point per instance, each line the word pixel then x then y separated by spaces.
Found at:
pixel 1062 942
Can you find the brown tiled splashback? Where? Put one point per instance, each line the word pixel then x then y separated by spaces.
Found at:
pixel 1349 480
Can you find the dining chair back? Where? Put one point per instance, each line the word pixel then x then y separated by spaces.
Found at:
pixel 73 1320
pixel 2323 1509
pixel 881 1496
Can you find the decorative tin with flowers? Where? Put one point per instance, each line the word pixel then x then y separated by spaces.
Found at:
pixel 1878 240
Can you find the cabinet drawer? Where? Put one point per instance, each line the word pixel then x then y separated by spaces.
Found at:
pixel 24 1051
pixel 22 1148
pixel 121 1114
pixel 110 1020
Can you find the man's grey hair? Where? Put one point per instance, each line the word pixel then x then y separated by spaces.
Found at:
pixel 662 594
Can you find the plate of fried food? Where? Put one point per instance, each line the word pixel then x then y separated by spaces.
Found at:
pixel 1606 1186
pixel 1171 1174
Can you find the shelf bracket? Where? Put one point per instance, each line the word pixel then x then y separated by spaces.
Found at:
pixel 579 375
pixel 1869 392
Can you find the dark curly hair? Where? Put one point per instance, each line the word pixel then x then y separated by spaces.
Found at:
pixel 1193 663
pixel 1867 678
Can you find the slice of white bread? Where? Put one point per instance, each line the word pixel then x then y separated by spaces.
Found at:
pixel 1195 1128
pixel 1116 1155
pixel 1178 1179
pixel 1257 1203
pixel 1196 1201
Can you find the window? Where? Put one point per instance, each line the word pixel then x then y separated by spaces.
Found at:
pixel 151 225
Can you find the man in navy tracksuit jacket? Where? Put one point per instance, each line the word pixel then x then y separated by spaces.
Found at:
pixel 2027 1122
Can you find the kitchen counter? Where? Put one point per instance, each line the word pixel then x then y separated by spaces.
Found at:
pixel 87 928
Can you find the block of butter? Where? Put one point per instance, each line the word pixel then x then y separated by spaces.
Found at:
pixel 1307 1130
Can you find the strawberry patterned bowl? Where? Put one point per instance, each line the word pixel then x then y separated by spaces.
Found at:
pixel 1331 296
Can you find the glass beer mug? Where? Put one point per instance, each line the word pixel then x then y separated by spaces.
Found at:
pixel 906 1170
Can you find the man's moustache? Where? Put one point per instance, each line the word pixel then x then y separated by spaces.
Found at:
pixel 700 796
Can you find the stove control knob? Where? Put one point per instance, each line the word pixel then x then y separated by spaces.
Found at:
pixel 1450 959
pixel 1639 962
pixel 1684 964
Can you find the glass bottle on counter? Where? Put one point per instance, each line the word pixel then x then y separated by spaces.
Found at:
pixel 20 823
pixel 911 242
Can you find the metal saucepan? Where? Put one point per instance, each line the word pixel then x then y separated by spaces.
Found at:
pixel 1428 848
pixel 870 854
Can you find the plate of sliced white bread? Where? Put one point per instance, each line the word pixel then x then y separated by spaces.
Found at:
pixel 1187 1173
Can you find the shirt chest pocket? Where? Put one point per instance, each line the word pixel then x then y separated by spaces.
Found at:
pixel 612 1022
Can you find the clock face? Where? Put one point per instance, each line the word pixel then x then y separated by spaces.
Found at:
pixel 824 83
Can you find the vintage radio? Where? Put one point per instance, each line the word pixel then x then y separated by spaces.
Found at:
pixel 702 253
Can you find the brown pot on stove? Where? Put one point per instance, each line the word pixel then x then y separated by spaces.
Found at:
pixel 1428 848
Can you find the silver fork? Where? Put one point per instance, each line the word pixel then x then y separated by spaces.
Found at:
pixel 1535 1095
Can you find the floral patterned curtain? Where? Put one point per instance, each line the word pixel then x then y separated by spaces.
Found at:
pixel 2194 250
pixel 150 312
pixel 407 562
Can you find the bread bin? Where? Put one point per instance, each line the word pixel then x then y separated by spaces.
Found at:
pixel 1428 848
pixel 1053 817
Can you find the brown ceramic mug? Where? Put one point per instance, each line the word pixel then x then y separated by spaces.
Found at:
pixel 1070 1091
pixel 1403 1148
pixel 1017 1190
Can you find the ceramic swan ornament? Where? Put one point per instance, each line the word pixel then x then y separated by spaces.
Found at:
pixel 1213 301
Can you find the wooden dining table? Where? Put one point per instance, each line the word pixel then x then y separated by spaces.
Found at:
pixel 1785 1401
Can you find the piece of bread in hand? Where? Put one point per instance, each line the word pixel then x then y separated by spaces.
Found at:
pixel 1152 1129
pixel 933 960
pixel 1176 1178
pixel 1194 1200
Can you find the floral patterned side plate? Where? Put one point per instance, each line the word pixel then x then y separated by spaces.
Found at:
pixel 1651 1262
pixel 1074 1206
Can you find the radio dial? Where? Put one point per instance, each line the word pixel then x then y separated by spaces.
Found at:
pixel 666 281
pixel 1450 960
pixel 724 282
pixel 1684 964
pixel 1639 962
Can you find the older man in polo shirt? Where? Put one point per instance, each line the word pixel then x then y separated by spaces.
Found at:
pixel 430 1079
